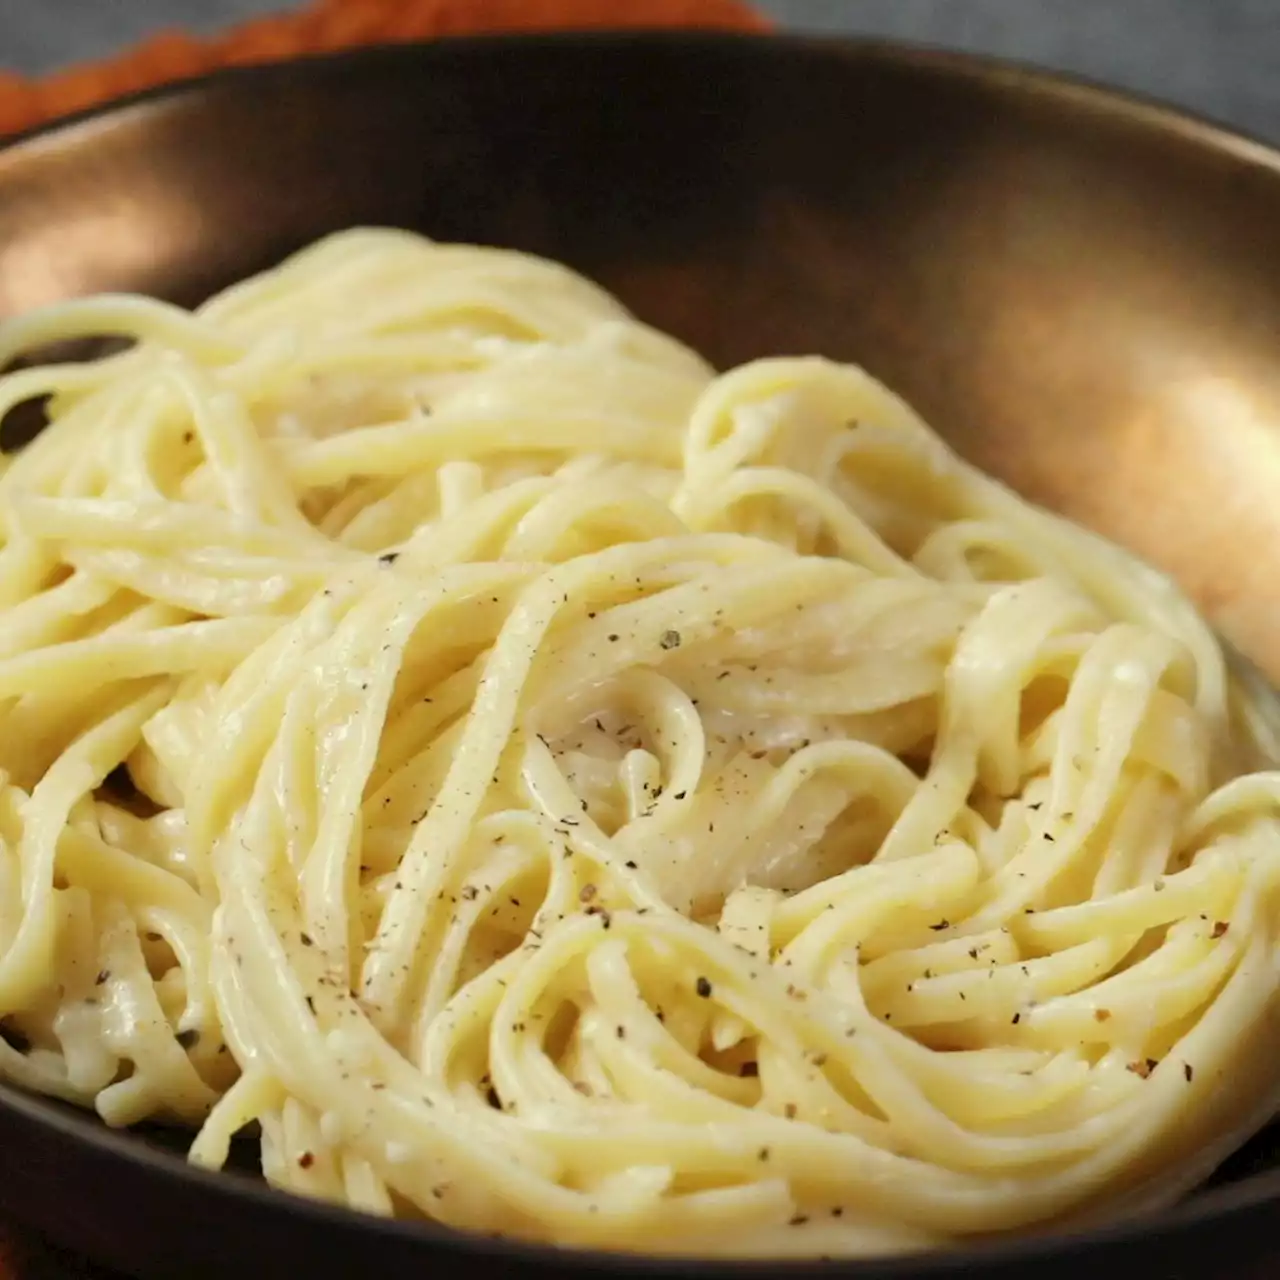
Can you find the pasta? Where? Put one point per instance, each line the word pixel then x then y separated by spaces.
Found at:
pixel 557 791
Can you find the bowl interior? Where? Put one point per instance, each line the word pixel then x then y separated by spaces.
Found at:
pixel 1082 294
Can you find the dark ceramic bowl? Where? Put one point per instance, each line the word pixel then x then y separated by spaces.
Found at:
pixel 1081 291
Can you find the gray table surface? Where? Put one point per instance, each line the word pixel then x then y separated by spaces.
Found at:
pixel 1218 57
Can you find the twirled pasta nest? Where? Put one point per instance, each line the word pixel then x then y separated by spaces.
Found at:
pixel 555 790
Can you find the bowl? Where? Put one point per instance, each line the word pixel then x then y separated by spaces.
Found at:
pixel 1080 290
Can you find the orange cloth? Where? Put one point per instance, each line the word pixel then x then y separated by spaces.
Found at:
pixel 326 25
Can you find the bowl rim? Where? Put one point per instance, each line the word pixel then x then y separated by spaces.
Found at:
pixel 1073 89
pixel 1249 1199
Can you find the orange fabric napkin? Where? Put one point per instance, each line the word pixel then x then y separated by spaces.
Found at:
pixel 327 25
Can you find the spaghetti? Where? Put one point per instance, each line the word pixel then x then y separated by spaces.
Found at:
pixel 558 791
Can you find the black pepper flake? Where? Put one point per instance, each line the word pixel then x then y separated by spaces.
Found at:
pixel 799 1220
pixel 704 988
pixel 306 1160
pixel 491 1097
pixel 1143 1068
pixel 763 1154
pixel 103 975
pixel 670 640
pixel 620 1032
pixel 680 795
pixel 188 1039
pixel 311 1004
pixel 942 924
pixel 630 864
pixel 389 557
pixel 614 638
pixel 1017 1018
pixel 1188 1072
pixel 1220 929
pixel 469 892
